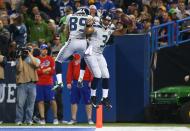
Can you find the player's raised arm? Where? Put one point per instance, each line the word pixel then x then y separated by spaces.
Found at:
pixel 125 20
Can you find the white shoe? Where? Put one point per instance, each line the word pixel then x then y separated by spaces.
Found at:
pixel 90 122
pixel 30 123
pixel 55 122
pixel 72 122
pixel 64 122
pixel 36 119
pixel 42 122
pixel 18 123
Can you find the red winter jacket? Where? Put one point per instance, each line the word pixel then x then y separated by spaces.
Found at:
pixel 73 71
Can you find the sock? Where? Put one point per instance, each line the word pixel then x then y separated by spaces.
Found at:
pixel 81 75
pixel 93 92
pixel 105 93
pixel 59 78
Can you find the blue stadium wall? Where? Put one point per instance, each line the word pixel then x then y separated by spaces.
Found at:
pixel 129 83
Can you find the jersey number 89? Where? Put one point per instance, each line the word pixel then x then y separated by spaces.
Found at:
pixel 75 22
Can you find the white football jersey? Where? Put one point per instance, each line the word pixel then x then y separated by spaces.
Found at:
pixel 100 37
pixel 77 25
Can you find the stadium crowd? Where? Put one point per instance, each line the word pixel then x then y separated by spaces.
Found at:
pixel 36 28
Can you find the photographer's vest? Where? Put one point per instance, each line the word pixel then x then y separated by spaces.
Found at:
pixel 26 72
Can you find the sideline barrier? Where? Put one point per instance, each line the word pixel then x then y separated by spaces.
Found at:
pixel 129 83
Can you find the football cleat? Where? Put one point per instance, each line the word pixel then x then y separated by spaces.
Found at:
pixel 106 102
pixel 93 101
pixel 60 85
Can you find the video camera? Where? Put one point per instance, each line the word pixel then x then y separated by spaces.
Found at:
pixel 23 52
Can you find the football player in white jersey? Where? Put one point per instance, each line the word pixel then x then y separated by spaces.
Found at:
pixel 100 34
pixel 75 30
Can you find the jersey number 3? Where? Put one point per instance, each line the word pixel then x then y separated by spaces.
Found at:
pixel 105 38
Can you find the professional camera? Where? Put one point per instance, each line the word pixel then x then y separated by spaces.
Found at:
pixel 23 52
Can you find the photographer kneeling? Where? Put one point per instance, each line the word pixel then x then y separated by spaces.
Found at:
pixel 26 77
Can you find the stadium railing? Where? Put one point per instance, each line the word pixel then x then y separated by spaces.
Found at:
pixel 175 32
pixel 156 37
pixel 182 28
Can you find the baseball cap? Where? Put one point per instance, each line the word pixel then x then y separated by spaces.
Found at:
pixel 119 10
pixel 43 46
pixel 162 8
pixel 172 11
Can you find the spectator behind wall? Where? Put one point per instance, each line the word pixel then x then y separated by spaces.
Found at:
pixel 26 88
pixel 18 30
pixel 63 5
pixel 4 39
pixel 93 13
pixel 79 93
pixel 68 11
pixel 104 5
pixel 38 30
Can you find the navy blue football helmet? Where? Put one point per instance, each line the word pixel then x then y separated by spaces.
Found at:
pixel 106 19
pixel 106 15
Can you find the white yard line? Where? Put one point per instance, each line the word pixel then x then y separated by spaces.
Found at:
pixel 46 127
pixel 143 129
pixel 130 128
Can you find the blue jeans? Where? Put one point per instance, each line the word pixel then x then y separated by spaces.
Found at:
pixel 26 95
